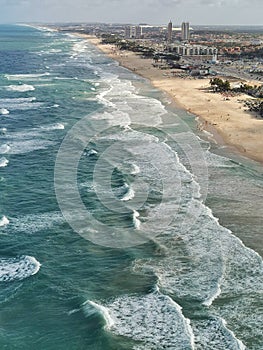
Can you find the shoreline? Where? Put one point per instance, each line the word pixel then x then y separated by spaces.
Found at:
pixel 227 119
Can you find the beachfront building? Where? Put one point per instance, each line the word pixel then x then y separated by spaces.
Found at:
pixel 169 32
pixel 185 31
pixel 194 50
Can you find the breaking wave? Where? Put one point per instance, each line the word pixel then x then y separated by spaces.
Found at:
pixel 4 221
pixel 3 162
pixel 20 88
pixel 4 111
pixel 12 269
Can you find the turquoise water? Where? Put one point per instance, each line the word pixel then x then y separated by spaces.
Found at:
pixel 107 239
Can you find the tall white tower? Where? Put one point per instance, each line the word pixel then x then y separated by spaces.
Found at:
pixel 169 32
pixel 185 31
pixel 138 32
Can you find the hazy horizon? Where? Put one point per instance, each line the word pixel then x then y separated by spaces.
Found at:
pixel 175 24
pixel 200 12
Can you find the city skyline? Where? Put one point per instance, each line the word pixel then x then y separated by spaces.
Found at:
pixel 206 12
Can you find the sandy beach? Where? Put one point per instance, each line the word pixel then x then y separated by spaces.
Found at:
pixel 233 124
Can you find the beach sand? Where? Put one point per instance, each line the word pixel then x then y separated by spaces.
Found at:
pixel 236 127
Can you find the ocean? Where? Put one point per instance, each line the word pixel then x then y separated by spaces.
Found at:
pixel 122 226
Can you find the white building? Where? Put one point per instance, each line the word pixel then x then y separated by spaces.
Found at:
pixel 185 31
pixel 137 32
pixel 133 32
pixel 194 50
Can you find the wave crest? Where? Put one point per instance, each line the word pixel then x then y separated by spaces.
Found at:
pixel 4 221
pixel 20 88
pixel 12 269
pixel 3 162
pixel 4 111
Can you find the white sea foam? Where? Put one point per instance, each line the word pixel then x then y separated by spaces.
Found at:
pixel 57 126
pixel 26 146
pixel 122 95
pixel 198 269
pixel 79 47
pixel 201 280
pixel 136 169
pixel 211 298
pixel 154 320
pixel 129 194
pixel 240 345
pixel 101 98
pixel 135 220
pixel 12 269
pixel 53 106
pixel 73 311
pixel 20 103
pixel 54 51
pixel 4 221
pixel 31 224
pixel 46 30
pixel 26 76
pixel 145 110
pixel 4 111
pixel 129 136
pixel 4 149
pixel 26 134
pixel 3 162
pixel 116 118
pixel 20 88
pixel 213 333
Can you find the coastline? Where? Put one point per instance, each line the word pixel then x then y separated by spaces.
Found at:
pixel 227 119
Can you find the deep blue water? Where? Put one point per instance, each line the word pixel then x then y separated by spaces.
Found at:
pixel 121 250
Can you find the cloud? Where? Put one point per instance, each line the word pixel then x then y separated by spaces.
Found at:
pixel 215 3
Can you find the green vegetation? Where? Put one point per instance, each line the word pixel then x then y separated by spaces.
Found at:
pixel 254 105
pixel 255 91
pixel 139 47
pixel 128 45
pixel 109 39
pixel 220 84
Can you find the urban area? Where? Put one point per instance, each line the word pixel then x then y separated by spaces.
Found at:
pixel 222 53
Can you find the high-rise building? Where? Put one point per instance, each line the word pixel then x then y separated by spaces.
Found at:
pixel 138 32
pixel 127 32
pixel 169 32
pixel 185 31
pixel 133 32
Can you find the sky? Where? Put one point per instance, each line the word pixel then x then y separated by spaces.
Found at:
pixel 235 12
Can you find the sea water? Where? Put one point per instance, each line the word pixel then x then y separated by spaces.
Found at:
pixel 109 206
